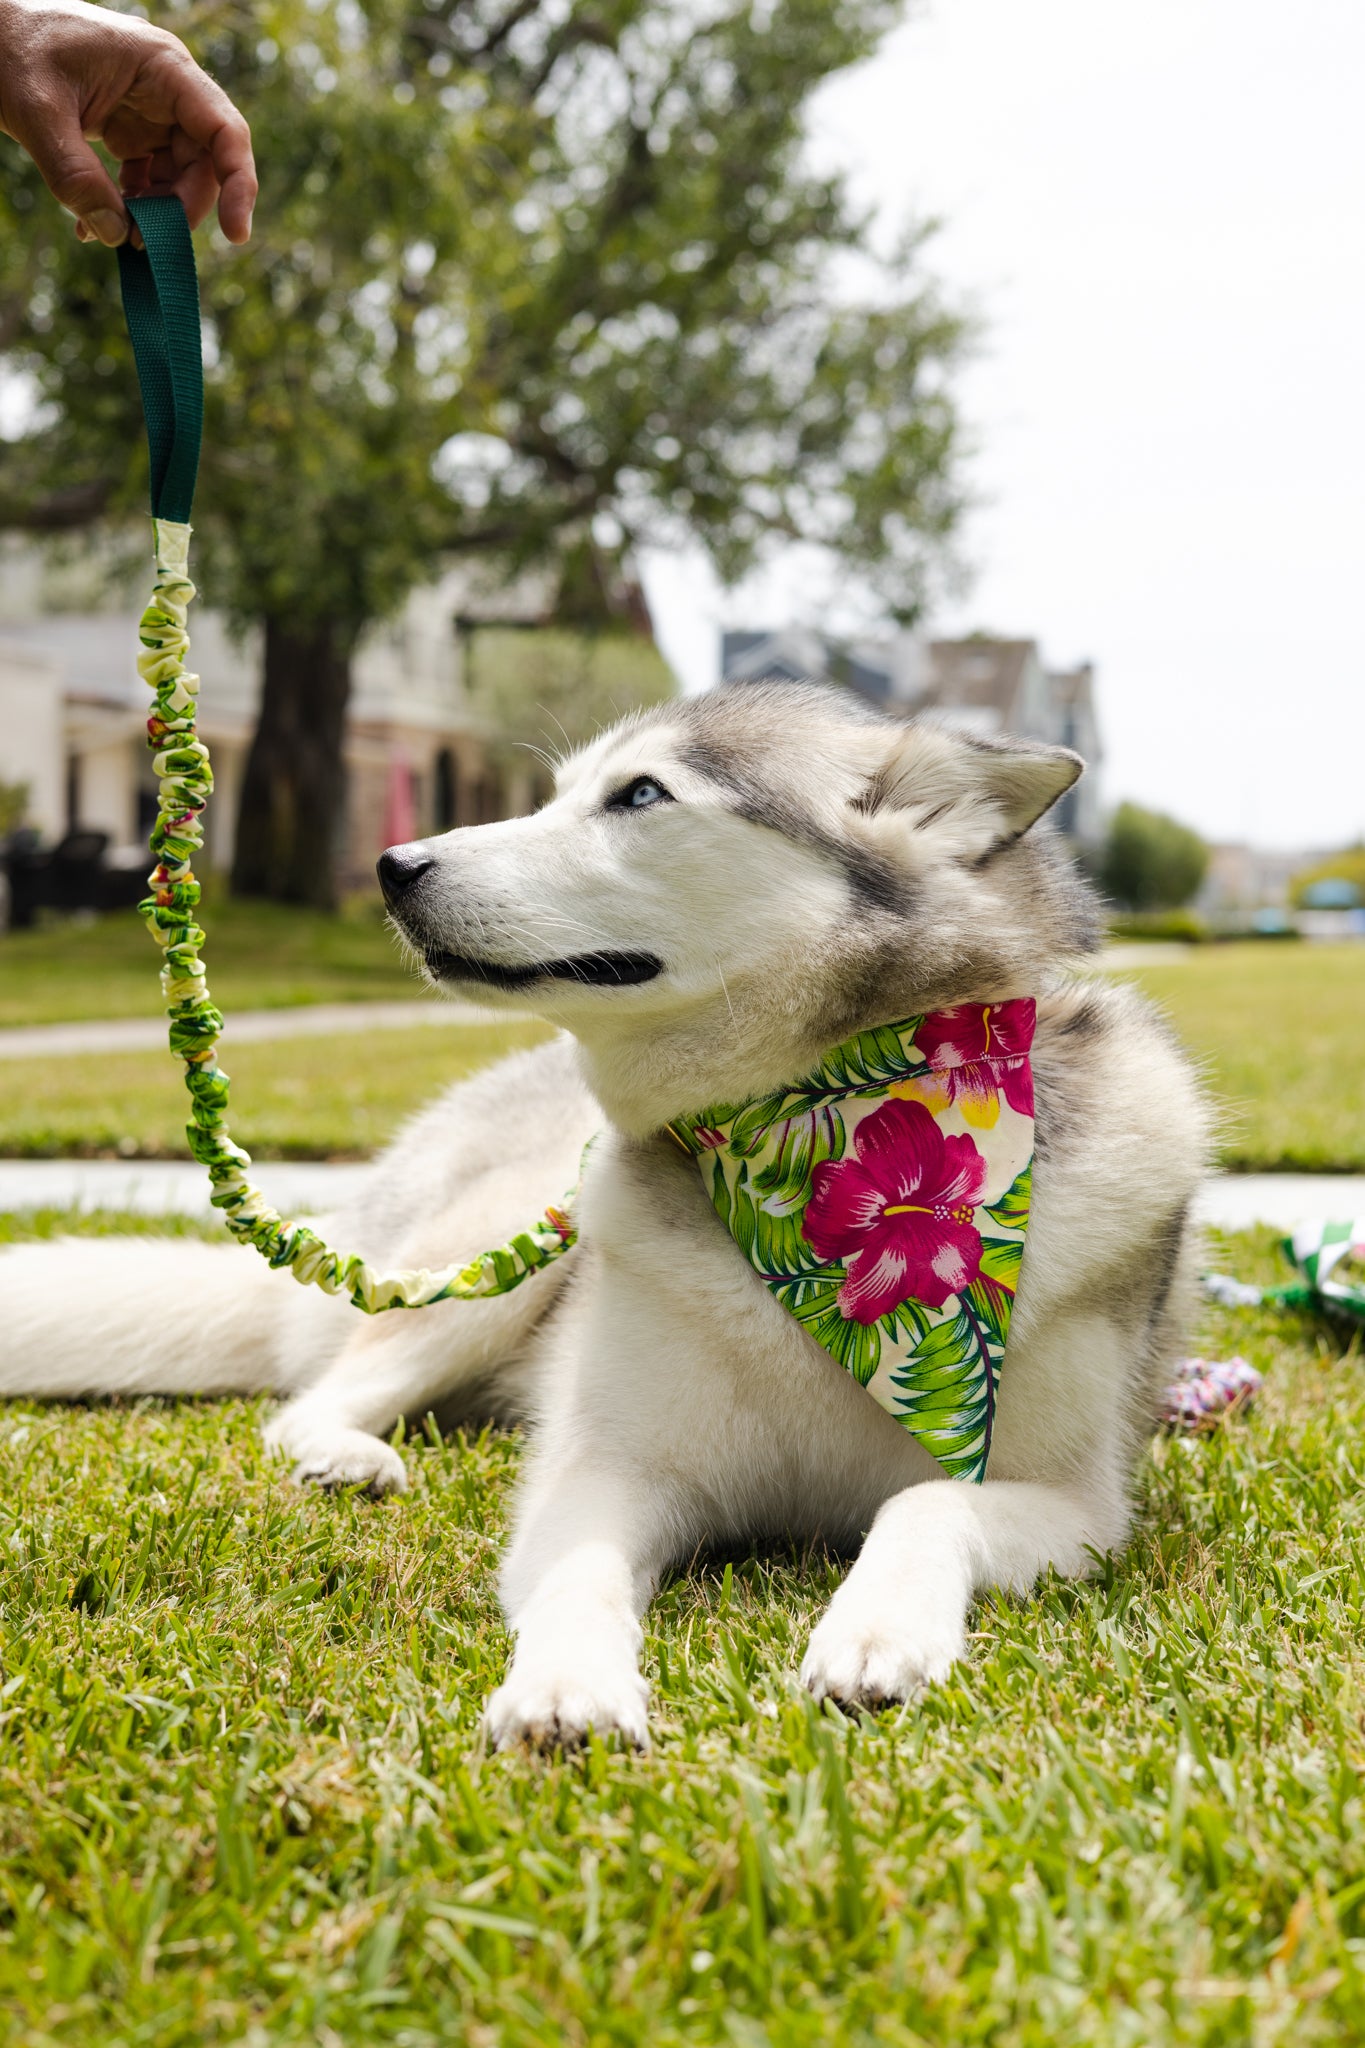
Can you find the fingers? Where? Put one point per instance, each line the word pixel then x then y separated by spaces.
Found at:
pixel 181 167
pixel 206 114
pixel 73 173
pixel 80 71
pixel 198 187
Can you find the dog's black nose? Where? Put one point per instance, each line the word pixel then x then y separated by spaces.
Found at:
pixel 399 868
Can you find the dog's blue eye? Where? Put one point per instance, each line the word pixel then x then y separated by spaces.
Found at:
pixel 639 795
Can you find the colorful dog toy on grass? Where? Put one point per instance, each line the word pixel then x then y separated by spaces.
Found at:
pixel 1331 1259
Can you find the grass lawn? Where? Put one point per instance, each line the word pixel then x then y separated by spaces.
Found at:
pixel 1278 1027
pixel 314 1098
pixel 244 1798
pixel 1281 1030
pixel 261 956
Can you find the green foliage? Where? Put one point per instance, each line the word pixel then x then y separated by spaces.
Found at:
pixel 512 269
pixel 1346 866
pixel 13 806
pixel 1150 861
pixel 554 688
pixel 1181 927
pixel 243 1796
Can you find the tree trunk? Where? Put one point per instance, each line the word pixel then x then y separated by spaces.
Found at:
pixel 291 818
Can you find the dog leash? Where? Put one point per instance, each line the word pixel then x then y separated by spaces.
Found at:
pixel 161 303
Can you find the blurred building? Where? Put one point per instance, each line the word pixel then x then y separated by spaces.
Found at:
pixel 1245 878
pixel 425 749
pixel 979 684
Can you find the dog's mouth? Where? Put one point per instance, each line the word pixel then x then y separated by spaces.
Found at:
pixel 589 970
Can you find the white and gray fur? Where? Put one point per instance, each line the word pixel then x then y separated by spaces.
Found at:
pixel 803 869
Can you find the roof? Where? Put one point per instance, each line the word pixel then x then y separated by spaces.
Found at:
pixel 977 675
pixel 1072 687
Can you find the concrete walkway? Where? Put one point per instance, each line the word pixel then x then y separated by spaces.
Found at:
pixel 1231 1201
pixel 167 1187
pixel 243 1027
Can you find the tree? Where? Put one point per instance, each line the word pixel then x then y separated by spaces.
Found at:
pixel 524 274
pixel 1150 861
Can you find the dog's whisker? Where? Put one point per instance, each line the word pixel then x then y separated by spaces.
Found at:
pixel 725 990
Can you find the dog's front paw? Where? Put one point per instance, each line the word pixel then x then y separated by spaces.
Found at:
pixel 337 1457
pixel 862 1656
pixel 549 1706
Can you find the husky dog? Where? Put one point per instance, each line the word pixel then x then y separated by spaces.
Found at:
pixel 719 892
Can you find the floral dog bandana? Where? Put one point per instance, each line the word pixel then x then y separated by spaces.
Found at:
pixel 884 1200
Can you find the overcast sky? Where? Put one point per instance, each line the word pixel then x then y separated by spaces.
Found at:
pixel 1158 211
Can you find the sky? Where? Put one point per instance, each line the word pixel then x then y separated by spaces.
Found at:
pixel 1156 213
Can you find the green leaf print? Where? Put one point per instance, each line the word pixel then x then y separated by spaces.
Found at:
pixel 907 1319
pixel 991 1295
pixel 720 1189
pixel 946 1390
pixel 743 1222
pixel 801 1143
pixel 779 1247
pixel 1000 1260
pixel 808 1294
pixel 856 1346
pixel 1011 1211
pixel 872 1059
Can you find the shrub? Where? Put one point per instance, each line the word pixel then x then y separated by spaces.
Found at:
pixel 1186 925
pixel 1151 862
pixel 13 806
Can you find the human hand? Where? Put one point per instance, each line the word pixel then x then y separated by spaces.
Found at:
pixel 68 71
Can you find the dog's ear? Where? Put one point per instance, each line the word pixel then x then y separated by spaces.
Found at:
pixel 981 794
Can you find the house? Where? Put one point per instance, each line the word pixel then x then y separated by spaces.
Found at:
pixel 980 684
pixel 1241 878
pixel 424 749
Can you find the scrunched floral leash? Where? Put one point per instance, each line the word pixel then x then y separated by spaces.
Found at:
pixel 161 301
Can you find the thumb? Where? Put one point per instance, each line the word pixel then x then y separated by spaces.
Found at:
pixel 72 171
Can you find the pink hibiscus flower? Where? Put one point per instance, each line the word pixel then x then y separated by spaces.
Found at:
pixel 899 1212
pixel 977 1054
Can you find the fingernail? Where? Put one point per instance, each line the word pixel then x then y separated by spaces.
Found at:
pixel 83 233
pixel 110 227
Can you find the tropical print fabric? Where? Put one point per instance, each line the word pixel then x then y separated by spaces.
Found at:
pixel 884 1200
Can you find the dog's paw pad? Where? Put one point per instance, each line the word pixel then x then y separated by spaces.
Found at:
pixel 861 1663
pixel 549 1710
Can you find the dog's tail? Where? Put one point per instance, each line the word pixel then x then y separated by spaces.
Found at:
pixel 137 1315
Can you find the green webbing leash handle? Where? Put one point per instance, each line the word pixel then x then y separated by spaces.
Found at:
pixel 161 304
pixel 161 300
